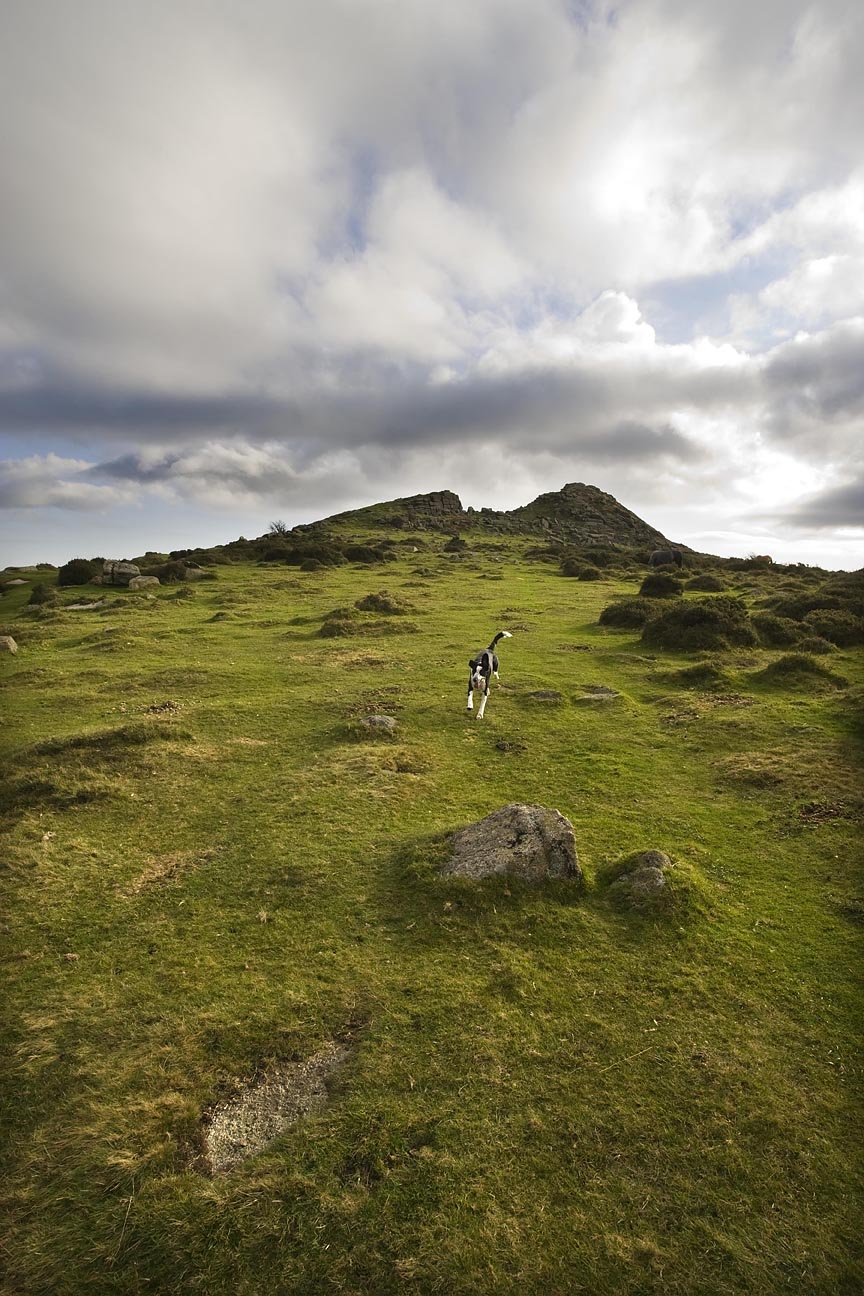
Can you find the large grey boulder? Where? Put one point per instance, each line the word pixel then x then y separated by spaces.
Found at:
pixel 525 841
pixel 142 582
pixel 116 572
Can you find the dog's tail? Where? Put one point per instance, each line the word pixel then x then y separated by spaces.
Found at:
pixel 502 634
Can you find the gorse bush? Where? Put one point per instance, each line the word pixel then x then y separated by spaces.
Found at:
pixel 838 627
pixel 660 584
pixel 707 583
pixel 798 668
pixel 78 571
pixel 171 572
pixel 631 614
pixel 777 632
pixel 42 593
pixel 711 623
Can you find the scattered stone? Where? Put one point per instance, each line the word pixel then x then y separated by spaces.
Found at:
pixel 8 644
pixel 264 1109
pixel 17 581
pixel 526 841
pixel 380 723
pixel 596 695
pixel 83 607
pixel 141 582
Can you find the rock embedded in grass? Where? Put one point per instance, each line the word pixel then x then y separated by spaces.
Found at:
pixel 644 878
pixel 8 644
pixel 526 841
pixel 379 723
pixel 245 1125
pixel 596 695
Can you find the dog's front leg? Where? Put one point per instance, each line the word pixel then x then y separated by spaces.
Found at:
pixel 470 694
pixel 483 699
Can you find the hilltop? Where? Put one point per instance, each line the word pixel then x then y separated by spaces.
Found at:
pixel 577 514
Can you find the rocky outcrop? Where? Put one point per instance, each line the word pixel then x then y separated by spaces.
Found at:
pixel 586 515
pixel 529 842
pixel 116 572
pixel 8 644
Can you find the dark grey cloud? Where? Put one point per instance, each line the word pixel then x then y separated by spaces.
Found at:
pixel 841 506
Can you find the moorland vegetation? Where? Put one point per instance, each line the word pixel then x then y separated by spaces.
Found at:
pixel 219 866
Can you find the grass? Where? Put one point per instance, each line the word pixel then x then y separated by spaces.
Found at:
pixel 210 870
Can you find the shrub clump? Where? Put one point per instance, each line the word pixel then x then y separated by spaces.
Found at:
pixel 660 584
pixel 707 583
pixel 776 631
pixel 455 545
pixel 798 668
pixel 814 644
pixel 360 553
pixel 42 593
pixel 631 614
pixel 172 572
pixel 382 602
pixel 704 675
pixel 590 574
pixel 711 624
pixel 838 627
pixel 78 571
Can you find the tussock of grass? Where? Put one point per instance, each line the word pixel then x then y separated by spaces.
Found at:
pixel 797 670
pixel 702 675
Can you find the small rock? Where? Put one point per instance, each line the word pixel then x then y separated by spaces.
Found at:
pixel 8 644
pixel 644 878
pixel 527 841
pixel 382 723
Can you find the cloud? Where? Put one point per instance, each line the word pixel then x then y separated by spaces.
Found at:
pixel 49 481
pixel 251 251
pixel 841 506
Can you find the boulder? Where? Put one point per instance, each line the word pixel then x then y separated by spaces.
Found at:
pixel 195 573
pixel 142 582
pixel 8 644
pixel 17 581
pixel 525 841
pixel 116 572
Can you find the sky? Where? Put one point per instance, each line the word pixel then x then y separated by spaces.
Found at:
pixel 271 259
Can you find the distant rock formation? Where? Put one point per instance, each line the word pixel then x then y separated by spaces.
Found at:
pixel 116 572
pixel 576 514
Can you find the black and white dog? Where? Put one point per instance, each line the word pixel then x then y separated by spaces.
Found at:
pixel 482 668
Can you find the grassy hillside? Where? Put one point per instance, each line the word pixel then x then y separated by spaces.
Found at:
pixel 211 867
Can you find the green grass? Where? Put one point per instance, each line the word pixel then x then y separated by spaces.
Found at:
pixel 209 867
